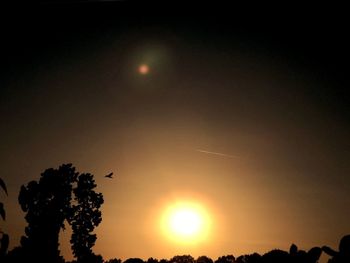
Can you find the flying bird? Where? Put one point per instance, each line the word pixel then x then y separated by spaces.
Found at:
pixel 109 175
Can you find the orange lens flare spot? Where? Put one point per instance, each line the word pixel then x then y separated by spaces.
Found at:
pixel 143 69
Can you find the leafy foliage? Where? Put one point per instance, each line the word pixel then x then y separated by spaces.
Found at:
pixel 4 240
pixel 60 194
pixel 3 186
pixel 47 204
pixel 2 211
pixel 226 259
pixel 85 217
pixel 4 244
pixel 204 259
pixel 114 260
pixel 182 259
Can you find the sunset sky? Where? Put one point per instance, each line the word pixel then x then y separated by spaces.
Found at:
pixel 245 120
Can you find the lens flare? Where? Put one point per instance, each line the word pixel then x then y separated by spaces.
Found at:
pixel 143 69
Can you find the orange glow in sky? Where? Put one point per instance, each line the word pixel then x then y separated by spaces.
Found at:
pixel 143 69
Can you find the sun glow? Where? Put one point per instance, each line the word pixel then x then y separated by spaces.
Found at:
pixel 186 222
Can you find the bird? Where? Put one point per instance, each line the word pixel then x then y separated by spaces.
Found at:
pixel 109 175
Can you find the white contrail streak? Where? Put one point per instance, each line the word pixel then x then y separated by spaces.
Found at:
pixel 216 153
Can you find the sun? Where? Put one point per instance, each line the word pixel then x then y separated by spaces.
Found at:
pixel 186 223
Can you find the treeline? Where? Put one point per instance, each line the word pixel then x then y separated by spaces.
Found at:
pixel 294 255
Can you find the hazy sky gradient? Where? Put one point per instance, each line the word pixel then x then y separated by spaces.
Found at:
pixel 268 96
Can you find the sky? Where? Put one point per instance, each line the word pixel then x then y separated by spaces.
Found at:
pixel 246 118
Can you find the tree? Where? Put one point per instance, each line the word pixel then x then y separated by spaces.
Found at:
pixel 84 217
pixel 250 258
pixel 276 256
pixel 204 259
pixel 226 259
pixel 134 260
pixel 48 203
pixel 4 240
pixel 114 260
pixel 163 260
pixel 182 259
pixel 152 260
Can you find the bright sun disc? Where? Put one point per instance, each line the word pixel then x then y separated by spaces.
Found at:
pixel 186 223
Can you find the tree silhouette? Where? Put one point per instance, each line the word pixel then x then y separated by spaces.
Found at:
pixel 163 260
pixel 276 256
pixel 250 258
pixel 204 259
pixel 152 260
pixel 134 260
pixel 341 256
pixel 182 259
pixel 4 240
pixel 48 203
pixel 226 259
pixel 84 217
pixel 114 260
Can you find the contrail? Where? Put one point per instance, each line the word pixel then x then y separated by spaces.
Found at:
pixel 216 153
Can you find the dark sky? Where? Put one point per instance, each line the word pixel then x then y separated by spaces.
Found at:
pixel 270 87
